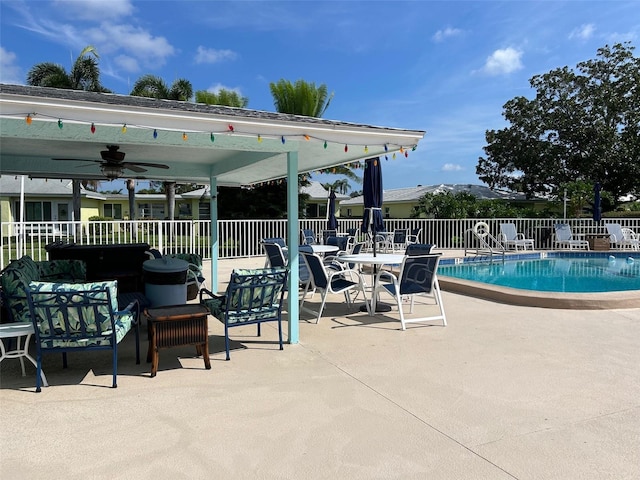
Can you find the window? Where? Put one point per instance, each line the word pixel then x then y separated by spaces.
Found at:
pixel 349 213
pixel 35 211
pixel 387 212
pixel 204 210
pixel 151 210
pixel 184 209
pixel 113 210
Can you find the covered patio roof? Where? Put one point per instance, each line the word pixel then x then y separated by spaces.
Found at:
pixel 214 145
pixel 237 146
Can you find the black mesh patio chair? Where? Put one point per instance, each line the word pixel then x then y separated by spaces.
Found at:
pixel 418 276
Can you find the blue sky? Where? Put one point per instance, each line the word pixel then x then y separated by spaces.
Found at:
pixel 445 67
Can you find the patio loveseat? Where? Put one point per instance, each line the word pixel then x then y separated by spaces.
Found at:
pixel 15 279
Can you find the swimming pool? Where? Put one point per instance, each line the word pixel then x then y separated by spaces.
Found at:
pixel 552 279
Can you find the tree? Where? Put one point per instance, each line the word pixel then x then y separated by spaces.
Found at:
pixel 339 186
pixel 583 125
pixel 152 86
pixel 223 96
pixel 300 98
pixel 84 73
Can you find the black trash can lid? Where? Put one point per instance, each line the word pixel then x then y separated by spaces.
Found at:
pixel 165 265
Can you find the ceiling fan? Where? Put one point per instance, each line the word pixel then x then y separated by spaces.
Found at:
pixel 113 165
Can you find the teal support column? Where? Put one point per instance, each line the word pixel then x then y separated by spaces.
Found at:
pixel 293 307
pixel 213 202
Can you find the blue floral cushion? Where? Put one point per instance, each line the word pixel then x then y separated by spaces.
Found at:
pixel 84 323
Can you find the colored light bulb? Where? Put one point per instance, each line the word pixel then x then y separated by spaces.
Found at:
pixel 155 133
pixel 60 125
pixel 259 139
pixel 93 128
pixel 325 144
pixel 124 128
pixel 366 149
pixel 231 128
pixel 184 136
pixel 346 148
pixel 213 139
pixel 282 139
pixel 28 120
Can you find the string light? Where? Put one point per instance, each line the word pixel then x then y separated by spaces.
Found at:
pixel 403 149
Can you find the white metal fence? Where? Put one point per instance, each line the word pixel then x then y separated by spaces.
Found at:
pixel 241 238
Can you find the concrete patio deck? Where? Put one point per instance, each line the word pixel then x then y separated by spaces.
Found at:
pixel 502 392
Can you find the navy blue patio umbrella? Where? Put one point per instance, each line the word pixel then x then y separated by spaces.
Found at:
pixel 372 192
pixel 372 220
pixel 597 209
pixel 332 222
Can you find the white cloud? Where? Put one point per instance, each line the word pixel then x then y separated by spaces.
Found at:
pixel 441 35
pixel 584 32
pixel 452 167
pixel 96 10
pixel 127 63
pixel 149 51
pixel 9 71
pixel 503 61
pixel 211 55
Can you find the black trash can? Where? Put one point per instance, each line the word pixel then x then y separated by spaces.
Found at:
pixel 165 281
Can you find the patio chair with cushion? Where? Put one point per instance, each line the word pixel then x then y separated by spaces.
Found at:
pixel 328 281
pixel 253 297
pixel 418 276
pixel 79 317
pixel 514 240
pixel 564 238
pixel 399 240
pixel 622 238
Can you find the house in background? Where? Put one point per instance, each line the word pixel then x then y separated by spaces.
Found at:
pixel 52 201
pixel 402 202
pixel 319 200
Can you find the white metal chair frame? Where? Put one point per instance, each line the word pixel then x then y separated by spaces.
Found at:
pixel 418 276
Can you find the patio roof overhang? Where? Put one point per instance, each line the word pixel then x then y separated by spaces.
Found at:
pixel 237 146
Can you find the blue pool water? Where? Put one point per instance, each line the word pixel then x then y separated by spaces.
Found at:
pixel 585 274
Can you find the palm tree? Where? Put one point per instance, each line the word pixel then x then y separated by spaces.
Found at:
pixel 84 75
pixel 223 96
pixel 339 186
pixel 152 86
pixel 305 98
pixel 300 98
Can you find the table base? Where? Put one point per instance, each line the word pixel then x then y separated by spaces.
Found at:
pixel 380 307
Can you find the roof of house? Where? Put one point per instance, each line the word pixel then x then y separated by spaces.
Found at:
pixel 10 186
pixel 413 194
pixel 316 191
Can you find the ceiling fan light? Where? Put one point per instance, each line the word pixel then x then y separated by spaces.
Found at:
pixel 111 171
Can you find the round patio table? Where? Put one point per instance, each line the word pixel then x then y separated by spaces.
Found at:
pixel 375 260
pixel 324 248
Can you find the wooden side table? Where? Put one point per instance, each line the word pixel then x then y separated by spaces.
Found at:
pixel 177 325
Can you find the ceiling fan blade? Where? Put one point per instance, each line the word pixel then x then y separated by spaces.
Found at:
pixel 133 167
pixel 77 160
pixel 147 164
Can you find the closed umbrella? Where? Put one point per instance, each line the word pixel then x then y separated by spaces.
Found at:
pixel 597 210
pixel 332 222
pixel 372 220
pixel 372 192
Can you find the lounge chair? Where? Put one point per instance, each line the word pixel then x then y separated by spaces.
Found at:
pixel 566 239
pixel 622 238
pixel 514 240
